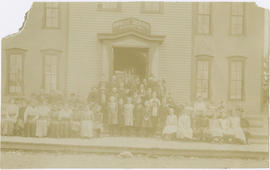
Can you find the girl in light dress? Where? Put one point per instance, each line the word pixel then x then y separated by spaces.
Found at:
pixel 170 128
pixel 215 129
pixel 226 126
pixel 184 130
pixel 87 122
pixel 42 119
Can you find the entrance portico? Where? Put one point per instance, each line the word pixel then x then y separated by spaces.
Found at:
pixel 132 34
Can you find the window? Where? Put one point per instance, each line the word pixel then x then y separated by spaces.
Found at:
pixel 15 71
pixel 51 15
pixel 109 6
pixel 203 66
pixel 203 18
pixel 236 78
pixel 237 18
pixel 152 7
pixel 50 70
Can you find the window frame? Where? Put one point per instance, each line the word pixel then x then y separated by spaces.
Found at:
pixel 15 51
pixel 117 9
pixel 197 18
pixel 56 53
pixel 243 62
pixel 146 11
pixel 209 60
pixel 243 20
pixel 45 16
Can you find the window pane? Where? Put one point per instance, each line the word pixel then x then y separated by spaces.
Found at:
pixel 203 24
pixel 50 72
pixel 15 76
pixel 109 5
pixel 236 80
pixel 237 8
pixel 237 24
pixel 204 8
pixel 202 78
pixel 152 6
pixel 51 5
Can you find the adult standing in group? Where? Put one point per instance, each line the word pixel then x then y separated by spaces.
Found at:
pixel 12 110
pixel 138 116
pixel 42 120
pixel 128 114
pixel 112 110
pixel 65 117
pixel 30 117
pixel 155 103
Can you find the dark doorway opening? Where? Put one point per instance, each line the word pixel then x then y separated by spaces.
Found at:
pixel 131 60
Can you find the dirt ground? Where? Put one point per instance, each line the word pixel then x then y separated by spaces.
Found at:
pixel 22 159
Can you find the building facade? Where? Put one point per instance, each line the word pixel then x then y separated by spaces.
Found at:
pixel 214 50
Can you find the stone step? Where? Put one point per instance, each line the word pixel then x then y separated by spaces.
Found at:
pixel 257 141
pixel 259 131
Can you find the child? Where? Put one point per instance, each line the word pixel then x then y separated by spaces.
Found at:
pixel 86 122
pixel 98 119
pixel 184 130
pixel 215 128
pixel 128 114
pixel 170 129
pixel 155 103
pixel 226 126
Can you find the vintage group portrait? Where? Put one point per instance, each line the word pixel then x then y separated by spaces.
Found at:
pixel 140 84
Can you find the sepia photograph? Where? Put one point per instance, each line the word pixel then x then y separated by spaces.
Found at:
pixel 140 84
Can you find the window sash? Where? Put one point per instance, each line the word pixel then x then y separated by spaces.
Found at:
pixel 50 72
pixel 204 8
pixel 236 80
pixel 52 15
pixel 15 74
pixel 202 78
pixel 152 7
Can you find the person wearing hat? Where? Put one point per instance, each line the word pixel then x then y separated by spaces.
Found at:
pixel 184 130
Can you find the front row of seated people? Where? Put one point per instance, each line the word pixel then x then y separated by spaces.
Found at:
pixel 214 125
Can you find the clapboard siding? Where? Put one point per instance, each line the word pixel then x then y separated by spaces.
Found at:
pixel 175 52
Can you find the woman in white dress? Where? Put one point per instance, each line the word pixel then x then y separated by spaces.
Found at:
pixel 238 132
pixel 170 128
pixel 184 130
pixel 42 120
pixel 87 123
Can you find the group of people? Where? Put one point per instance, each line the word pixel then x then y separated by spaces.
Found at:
pixel 124 106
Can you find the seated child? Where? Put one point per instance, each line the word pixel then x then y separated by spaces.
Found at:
pixel 184 130
pixel 170 128
pixel 215 128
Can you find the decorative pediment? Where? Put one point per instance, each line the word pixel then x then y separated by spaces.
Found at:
pixel 131 27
